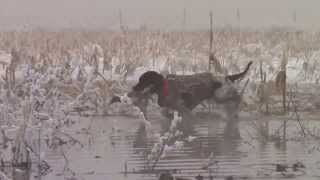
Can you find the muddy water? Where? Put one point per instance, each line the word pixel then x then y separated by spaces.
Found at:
pixel 114 145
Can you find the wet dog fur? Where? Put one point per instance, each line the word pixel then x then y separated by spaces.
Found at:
pixel 185 92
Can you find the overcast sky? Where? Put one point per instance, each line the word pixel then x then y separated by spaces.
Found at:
pixel 165 14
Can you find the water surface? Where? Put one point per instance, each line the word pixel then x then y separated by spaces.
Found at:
pixel 117 148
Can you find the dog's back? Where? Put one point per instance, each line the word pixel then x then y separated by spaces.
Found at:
pixel 188 81
pixel 191 88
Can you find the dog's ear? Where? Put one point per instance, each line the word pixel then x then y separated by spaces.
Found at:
pixel 149 79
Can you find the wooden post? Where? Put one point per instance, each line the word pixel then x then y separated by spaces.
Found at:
pixel 294 17
pixel 184 20
pixel 211 55
pixel 39 154
pixel 153 60
pixel 284 92
pixel 284 95
pixel 239 26
pixel 284 79
pixel 120 20
pixel 211 42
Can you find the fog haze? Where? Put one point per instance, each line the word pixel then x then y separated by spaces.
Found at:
pixel 164 14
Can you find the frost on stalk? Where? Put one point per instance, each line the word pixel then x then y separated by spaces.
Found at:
pixel 168 142
pixel 174 123
pixel 21 156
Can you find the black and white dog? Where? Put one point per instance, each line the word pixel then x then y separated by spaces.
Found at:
pixel 184 92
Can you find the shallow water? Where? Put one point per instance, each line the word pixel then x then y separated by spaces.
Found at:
pixel 114 144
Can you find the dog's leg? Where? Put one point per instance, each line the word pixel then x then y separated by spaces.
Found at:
pixel 142 104
pixel 166 112
pixel 231 109
pixel 187 118
pixel 143 108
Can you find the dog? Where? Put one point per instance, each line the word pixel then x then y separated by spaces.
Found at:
pixel 184 92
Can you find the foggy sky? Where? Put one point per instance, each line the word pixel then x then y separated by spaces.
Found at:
pixel 164 14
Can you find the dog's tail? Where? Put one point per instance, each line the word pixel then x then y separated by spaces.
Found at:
pixel 235 77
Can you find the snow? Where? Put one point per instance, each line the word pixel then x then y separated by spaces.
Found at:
pixel 5 60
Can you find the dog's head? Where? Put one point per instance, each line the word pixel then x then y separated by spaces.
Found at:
pixel 149 82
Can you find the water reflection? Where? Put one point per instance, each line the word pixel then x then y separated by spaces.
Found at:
pixel 225 142
pixel 212 137
pixel 21 173
pixel 141 139
pixel 221 142
pixel 216 144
